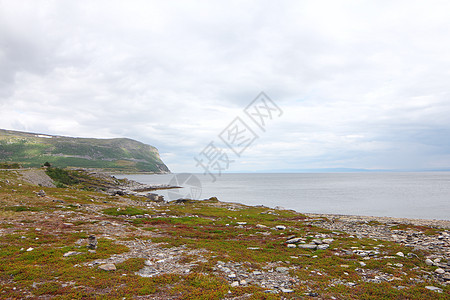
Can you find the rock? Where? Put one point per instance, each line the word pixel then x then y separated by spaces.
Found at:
pixel 41 193
pixel 243 282
pixel 30 249
pixel 429 262
pixel 92 242
pixel 323 247
pixel 283 290
pixel 241 223
pixel 256 273
pixel 311 294
pixel 294 241
pixel 433 288
pixel 280 227
pixel 327 241
pixel 307 246
pixel 291 246
pixel 253 248
pixel 71 253
pixel 155 197
pixel 363 264
pixel 447 277
pixel 235 284
pixel 400 254
pixel 283 270
pixel 317 241
pixel 107 267
pixel 345 266
pixel 439 271
pixel 261 226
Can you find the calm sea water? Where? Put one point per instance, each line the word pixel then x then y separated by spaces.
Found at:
pixel 411 195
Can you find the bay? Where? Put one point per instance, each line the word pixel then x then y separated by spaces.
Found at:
pixel 424 195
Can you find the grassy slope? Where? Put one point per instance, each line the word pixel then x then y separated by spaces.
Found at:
pixel 42 223
pixel 110 154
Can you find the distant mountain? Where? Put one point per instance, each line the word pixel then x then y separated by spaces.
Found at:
pixel 121 155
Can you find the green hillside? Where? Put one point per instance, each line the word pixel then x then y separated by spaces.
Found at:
pixel 121 155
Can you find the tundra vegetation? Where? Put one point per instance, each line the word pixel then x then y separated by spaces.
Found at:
pixel 44 250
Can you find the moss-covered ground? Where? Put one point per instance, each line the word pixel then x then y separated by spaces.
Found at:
pixel 36 232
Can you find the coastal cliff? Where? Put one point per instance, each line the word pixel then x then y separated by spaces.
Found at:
pixel 117 155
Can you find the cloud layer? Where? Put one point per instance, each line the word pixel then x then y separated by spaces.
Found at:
pixel 362 84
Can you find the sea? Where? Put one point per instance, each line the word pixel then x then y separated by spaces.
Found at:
pixel 424 195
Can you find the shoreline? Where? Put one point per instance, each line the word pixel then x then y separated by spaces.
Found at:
pixel 360 218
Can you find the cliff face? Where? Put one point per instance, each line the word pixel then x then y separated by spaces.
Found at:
pixel 121 155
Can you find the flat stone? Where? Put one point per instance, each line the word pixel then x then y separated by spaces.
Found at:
pixel 71 253
pixel 286 290
pixel 323 247
pixel 317 241
pixel 294 241
pixel 345 266
pixel 241 223
pixel 433 288
pixel 307 246
pixel 261 226
pixel 400 254
pixel 107 267
pixel 328 241
pixel 439 271
pixel 291 246
pixel 235 284
pixel 282 270
pixel 428 262
pixel 280 227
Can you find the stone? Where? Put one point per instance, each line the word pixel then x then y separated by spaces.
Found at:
pixel 280 227
pixel 283 290
pixel 241 223
pixel 345 266
pixel 400 254
pixel 317 241
pixel 256 273
pixel 291 245
pixel 30 249
pixel 327 241
pixel 107 267
pixel 71 253
pixel 243 282
pixel 261 226
pixel 307 246
pixel 92 242
pixel 282 270
pixel 235 284
pixel 294 241
pixel 433 288
pixel 41 193
pixel 439 271
pixel 363 264
pixel 323 247
pixel 428 262
pixel 447 277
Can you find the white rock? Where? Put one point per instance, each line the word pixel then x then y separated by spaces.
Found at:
pixel 107 267
pixel 291 246
pixel 439 271
pixel 30 249
pixel 327 241
pixel 235 284
pixel 429 262
pixel 280 227
pixel 323 247
pixel 400 254
pixel 433 288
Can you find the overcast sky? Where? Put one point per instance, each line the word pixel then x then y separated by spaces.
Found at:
pixel 362 84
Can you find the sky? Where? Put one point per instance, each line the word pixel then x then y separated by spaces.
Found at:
pixel 358 84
